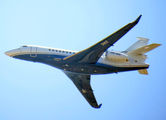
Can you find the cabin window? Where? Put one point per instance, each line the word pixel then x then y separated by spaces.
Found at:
pixel 49 49
pixel 56 50
pixel 52 49
pixel 63 51
pixel 73 52
pixel 112 52
pixel 66 51
pixel 59 50
pixel 70 52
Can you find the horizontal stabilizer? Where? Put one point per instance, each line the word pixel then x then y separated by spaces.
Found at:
pixel 144 49
pixel 140 43
pixel 144 71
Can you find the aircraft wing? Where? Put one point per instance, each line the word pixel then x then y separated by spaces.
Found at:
pixel 82 82
pixel 93 53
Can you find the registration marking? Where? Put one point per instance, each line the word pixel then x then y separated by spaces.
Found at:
pixel 104 43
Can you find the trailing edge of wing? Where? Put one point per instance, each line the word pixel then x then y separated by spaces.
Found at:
pixel 93 53
pixel 82 82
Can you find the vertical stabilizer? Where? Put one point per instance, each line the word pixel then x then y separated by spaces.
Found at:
pixel 140 43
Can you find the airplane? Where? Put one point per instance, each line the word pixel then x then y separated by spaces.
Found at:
pixel 97 59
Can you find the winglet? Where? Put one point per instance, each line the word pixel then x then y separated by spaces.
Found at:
pixel 99 106
pixel 137 20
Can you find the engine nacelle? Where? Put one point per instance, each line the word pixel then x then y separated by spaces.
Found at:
pixel 116 56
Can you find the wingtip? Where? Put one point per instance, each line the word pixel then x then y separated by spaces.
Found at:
pixel 137 20
pixel 99 106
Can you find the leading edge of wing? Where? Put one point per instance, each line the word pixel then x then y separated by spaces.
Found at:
pixel 82 82
pixel 93 53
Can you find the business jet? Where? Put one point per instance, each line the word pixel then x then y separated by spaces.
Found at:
pixel 79 66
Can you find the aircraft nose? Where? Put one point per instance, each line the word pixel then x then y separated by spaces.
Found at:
pixel 8 53
pixel 11 52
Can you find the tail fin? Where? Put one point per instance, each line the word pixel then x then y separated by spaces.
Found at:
pixel 136 53
pixel 140 43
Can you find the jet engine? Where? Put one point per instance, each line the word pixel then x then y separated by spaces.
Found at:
pixel 116 56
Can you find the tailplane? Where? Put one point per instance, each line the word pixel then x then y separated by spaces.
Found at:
pixel 140 43
pixel 136 52
pixel 144 49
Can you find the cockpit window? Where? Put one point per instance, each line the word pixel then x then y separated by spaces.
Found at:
pixel 24 46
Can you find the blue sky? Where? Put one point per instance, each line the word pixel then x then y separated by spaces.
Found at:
pixel 33 91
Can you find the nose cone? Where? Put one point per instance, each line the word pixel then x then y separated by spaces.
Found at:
pixel 11 53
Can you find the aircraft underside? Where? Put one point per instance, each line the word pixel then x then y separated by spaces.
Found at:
pixel 82 68
pixel 79 66
pixel 92 68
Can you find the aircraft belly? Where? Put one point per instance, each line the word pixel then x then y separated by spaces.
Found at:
pixel 98 68
pixel 92 68
pixel 82 68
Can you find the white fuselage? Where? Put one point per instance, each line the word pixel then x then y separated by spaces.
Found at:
pixel 110 58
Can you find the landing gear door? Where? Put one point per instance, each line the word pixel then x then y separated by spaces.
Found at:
pixel 33 51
